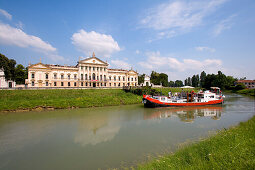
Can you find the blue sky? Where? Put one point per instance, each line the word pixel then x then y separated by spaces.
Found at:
pixel 177 37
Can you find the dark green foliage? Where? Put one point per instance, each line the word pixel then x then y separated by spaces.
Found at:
pixel 240 86
pixel 202 79
pixel 159 78
pixel 20 74
pixel 229 149
pixel 8 66
pixel 171 84
pixel 141 78
pixel 195 80
pixel 178 83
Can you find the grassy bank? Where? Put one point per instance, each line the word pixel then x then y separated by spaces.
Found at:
pixel 229 149
pixel 65 98
pixel 250 92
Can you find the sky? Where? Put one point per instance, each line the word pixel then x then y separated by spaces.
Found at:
pixel 176 37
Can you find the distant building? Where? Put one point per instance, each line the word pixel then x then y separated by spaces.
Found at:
pixel 90 72
pixel 187 87
pixel 5 83
pixel 250 84
pixel 147 81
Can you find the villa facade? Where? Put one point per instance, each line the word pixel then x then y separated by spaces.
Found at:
pixel 90 72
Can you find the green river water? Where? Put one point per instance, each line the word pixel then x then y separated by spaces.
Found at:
pixel 109 137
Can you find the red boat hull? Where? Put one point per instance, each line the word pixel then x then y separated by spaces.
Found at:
pixel 150 102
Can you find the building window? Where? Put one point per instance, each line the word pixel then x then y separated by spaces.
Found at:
pixel 33 75
pixel 135 84
pixel 114 84
pixel 55 76
pixel 86 67
pixel 119 84
pixel 110 78
pixel 89 77
pixel 101 77
pixel 110 84
pixel 89 68
pixel 55 83
pixel 74 83
pixel 104 69
pixel 132 79
pixel 86 84
pixel 86 77
pixel 104 77
pixel 81 67
pixel 93 68
pixel 104 84
pixel 46 76
pixel 101 84
pixel 89 84
pixel 62 76
pixel 101 68
pixel 119 78
pixel 97 78
pixel 114 78
pixel 123 84
pixel 81 83
pixel 97 68
pixel 33 83
pixel 62 83
pixel 47 83
pixel 123 78
pixel 81 76
pixel 94 76
pixel 75 77
pixel 128 78
pixel 69 84
pixel 69 76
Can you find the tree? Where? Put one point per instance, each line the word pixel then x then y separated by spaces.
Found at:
pixel 189 81
pixel 163 78
pixel 195 80
pixel 8 66
pixel 159 78
pixel 155 78
pixel 178 83
pixel 186 82
pixel 141 78
pixel 20 73
pixel 171 84
pixel 202 79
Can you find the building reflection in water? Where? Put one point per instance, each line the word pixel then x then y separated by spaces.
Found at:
pixel 186 114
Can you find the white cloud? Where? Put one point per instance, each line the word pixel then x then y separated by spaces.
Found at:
pixel 201 48
pixel 14 36
pixel 120 64
pixel 137 52
pixel 170 64
pixel 224 25
pixel 89 42
pixel 5 14
pixel 174 18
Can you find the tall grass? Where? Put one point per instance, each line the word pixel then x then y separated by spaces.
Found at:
pixel 65 98
pixel 229 149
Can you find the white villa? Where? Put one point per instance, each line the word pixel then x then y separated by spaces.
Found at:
pixel 90 72
pixel 5 83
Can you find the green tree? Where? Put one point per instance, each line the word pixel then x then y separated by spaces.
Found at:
pixel 178 83
pixel 8 66
pixel 163 78
pixel 155 78
pixel 202 79
pixel 20 74
pixel 141 78
pixel 189 83
pixel 195 80
pixel 171 84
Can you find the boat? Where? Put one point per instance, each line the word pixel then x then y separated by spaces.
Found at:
pixel 208 97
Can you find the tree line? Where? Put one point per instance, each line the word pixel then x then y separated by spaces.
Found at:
pixel 203 80
pixel 12 71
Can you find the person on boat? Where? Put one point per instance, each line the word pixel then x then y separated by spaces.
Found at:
pixel 170 94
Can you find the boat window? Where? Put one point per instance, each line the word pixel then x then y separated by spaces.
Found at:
pixel 162 98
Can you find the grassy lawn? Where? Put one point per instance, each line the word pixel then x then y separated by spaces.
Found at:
pixel 65 98
pixel 250 92
pixel 229 149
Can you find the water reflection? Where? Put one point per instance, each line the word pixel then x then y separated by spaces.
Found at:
pixel 186 114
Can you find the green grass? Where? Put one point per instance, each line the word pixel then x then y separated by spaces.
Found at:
pixel 229 149
pixel 250 92
pixel 65 98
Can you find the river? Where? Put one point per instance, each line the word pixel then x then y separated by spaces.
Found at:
pixel 109 137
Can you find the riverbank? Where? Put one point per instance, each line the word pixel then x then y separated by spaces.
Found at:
pixel 229 149
pixel 249 92
pixel 28 100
